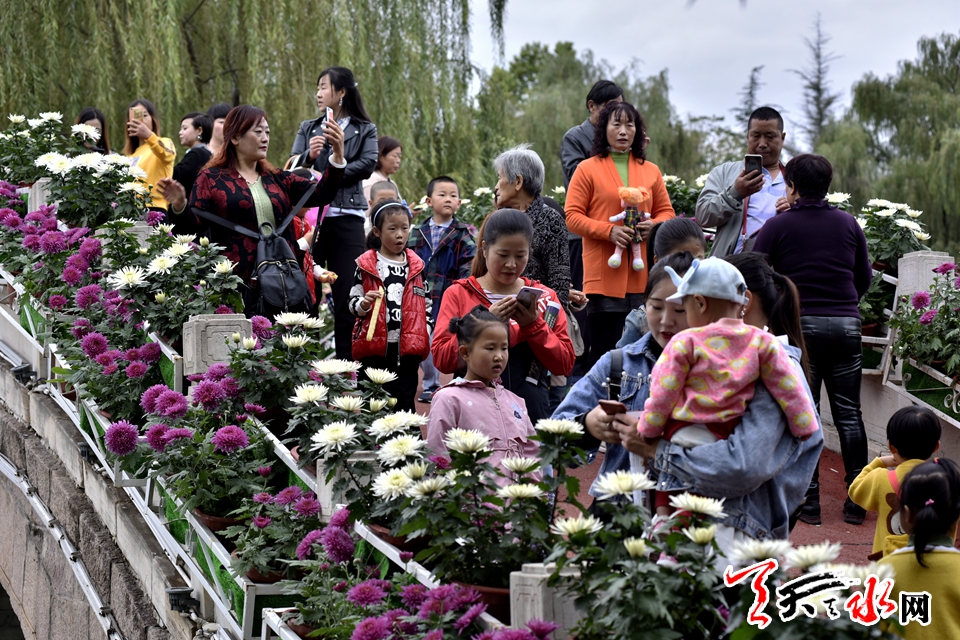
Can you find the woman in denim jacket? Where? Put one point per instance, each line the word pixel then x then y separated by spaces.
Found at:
pixel 761 472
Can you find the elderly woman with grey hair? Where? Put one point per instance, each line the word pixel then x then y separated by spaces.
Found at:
pixel 519 184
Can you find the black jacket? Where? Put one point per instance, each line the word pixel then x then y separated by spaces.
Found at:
pixel 359 150
pixel 186 171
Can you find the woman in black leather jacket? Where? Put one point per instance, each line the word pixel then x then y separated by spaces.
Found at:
pixel 340 239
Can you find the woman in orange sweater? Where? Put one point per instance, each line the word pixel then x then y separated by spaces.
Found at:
pixel 618 160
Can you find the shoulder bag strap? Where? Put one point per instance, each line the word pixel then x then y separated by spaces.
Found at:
pixel 615 376
pixel 894 480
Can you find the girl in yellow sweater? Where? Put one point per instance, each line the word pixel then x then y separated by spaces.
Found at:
pixel 927 568
pixel 153 154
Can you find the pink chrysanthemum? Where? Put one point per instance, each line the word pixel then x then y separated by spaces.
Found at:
pixel 93 344
pixel 209 394
pixel 148 400
pixel 155 217
pixel 131 354
pixel 515 634
pixel 78 262
pixel 230 387
pixel 542 628
pixel 230 438
pixel 263 498
pixel 469 617
pixel 305 548
pixel 253 408
pixel 90 249
pixel 177 434
pixel 921 300
pixel 136 369
pixel 31 242
pixel 171 404
pixel 72 276
pixel 261 522
pixel 928 317
pixel 289 495
pixel 307 506
pixel 945 268
pixel 440 461
pixel 413 595
pixel 121 438
pixel 105 359
pixel 223 310
pixel 57 301
pixel 217 372
pixel 261 327
pixel 371 629
pixel 12 220
pixel 435 634
pixel 110 369
pixel 88 295
pixel 80 328
pixel 156 436
pixel 337 544
pixel 53 242
pixel 366 594
pixel 340 519
pixel 150 352
pixel 264 471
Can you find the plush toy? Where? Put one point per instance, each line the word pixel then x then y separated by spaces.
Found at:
pixel 630 199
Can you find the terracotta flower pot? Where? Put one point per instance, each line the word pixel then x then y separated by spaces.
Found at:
pixel 254 574
pixel 497 600
pixel 295 454
pixel 215 523
pixel 400 542
pixel 302 630
pixel 869 329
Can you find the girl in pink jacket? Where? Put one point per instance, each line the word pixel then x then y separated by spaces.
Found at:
pixel 478 401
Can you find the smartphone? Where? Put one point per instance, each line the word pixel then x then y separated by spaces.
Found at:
pixel 612 407
pixel 752 162
pixel 137 113
pixel 329 114
pixel 529 295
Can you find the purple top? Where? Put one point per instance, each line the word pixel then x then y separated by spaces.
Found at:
pixel 823 250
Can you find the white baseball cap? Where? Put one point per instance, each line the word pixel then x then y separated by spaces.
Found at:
pixel 710 278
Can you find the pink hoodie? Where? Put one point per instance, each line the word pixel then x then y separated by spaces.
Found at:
pixel 496 412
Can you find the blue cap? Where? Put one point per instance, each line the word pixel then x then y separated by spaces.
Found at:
pixel 710 278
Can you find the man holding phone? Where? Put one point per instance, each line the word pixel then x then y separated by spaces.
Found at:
pixel 738 196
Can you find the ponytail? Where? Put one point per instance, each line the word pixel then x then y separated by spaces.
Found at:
pixel 931 493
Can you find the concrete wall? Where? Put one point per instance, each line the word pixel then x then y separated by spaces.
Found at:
pixel 126 564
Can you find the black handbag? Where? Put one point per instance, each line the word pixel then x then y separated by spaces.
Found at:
pixel 277 277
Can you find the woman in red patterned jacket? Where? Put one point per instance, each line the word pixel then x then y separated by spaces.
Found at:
pixel 241 186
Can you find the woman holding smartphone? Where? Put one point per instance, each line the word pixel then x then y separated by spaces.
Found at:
pixel 340 235
pixel 153 154
pixel 539 344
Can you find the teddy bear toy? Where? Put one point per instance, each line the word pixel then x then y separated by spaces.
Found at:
pixel 630 199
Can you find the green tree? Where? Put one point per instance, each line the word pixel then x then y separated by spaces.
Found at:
pixel 748 98
pixel 818 101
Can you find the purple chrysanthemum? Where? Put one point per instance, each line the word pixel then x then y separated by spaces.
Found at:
pixel 289 495
pixel 150 352
pixel 441 462
pixel 105 359
pixel 261 522
pixel 398 627
pixel 149 398
pixel 121 438
pixel 406 556
pixel 223 310
pixel 956 283
pixel 230 438
pixel 155 217
pixel 371 629
pixel 72 276
pixel 209 394
pixel 78 262
pixel 31 242
pixel 88 295
pixel 468 618
pixel 50 224
pixel 338 544
pixel 93 344
pixel 131 354
pixel 542 628
pixel 52 242
pixel 928 317
pixel 307 506
pixel 241 418
pixel 57 301
pixel 263 498
pixel 264 471
pixel 340 519
pixel 945 268
pixel 195 377
pixel 253 408
pixel 261 327
pixel 171 404
pixel 90 249
pixel 12 220
pixel 366 594
pixel 136 369
pixel 217 372
pixel 81 327
pixel 305 548
pixel 515 634
pixel 921 300
pixel 35 216
pixel 413 595
pixel 435 634
pixel 230 387
pixel 110 369
pixel 156 436
pixel 177 434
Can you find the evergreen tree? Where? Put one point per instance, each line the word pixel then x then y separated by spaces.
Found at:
pixel 818 101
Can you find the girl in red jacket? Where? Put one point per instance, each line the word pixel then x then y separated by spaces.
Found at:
pixel 391 304
pixel 536 349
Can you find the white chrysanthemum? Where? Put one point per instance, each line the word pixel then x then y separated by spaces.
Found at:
pixel 142 250
pixel 52 116
pixel 162 264
pixel 335 367
pixel 296 342
pixel 559 190
pixel 415 470
pixel 312 323
pixel 377 405
pixel 862 222
pixel 397 450
pixel 249 344
pixel 884 213
pixel 621 483
pixel 900 206
pixel 750 551
pixel 482 191
pixel 879 203
pixel 160 297
pixel 290 319
pixel 391 484
pixel 428 488
pixel 467 441
pixel 136 172
pixel 34 122
pixel 163 229
pixel 59 164
pixel 863 571
pixel 838 197
pixel 812 554
pixel 117 159
pixel 922 237
pixel 86 161
pixel 24 134
pixel 908 224
pixel 573 526
pixel 913 213
pixel 702 181
pixel 334 436
pixel 16 119
pixel 411 419
pixel 307 393
pixel 697 504
pixel 670 179
pixel 636 547
pixel 347 403
pixel 223 268
pixel 520 465
pixel 45 160
pixel 465 202
pixel 127 277
pixel 380 376
pixel 184 238
pixel 560 427
pixel 177 250
pixel 520 491
pixel 387 425
pixel 701 535
pixel 136 187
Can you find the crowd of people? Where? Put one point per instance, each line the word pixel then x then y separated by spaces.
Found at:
pixel 703 371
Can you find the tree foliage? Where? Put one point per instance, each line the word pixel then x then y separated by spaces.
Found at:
pixel 818 100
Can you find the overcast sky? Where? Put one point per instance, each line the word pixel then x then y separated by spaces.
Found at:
pixel 710 46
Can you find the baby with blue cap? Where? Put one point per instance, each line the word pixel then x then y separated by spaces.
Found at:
pixel 701 384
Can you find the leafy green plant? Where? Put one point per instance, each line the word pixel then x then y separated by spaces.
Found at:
pixel 878 297
pixel 928 323
pixel 26 140
pixel 892 230
pixel 682 197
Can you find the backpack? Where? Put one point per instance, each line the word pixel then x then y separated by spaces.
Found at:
pixel 277 276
